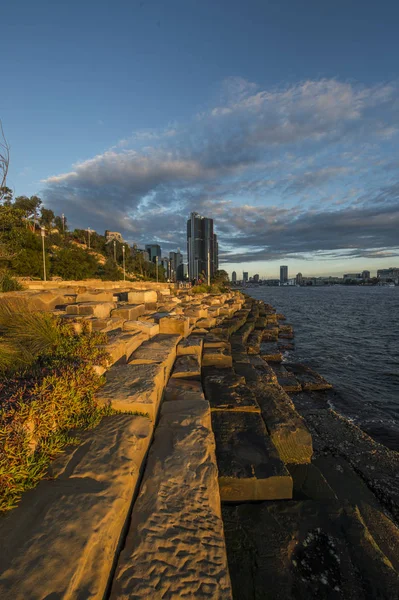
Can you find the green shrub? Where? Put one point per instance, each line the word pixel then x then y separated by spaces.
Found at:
pixel 74 263
pixel 50 393
pixel 8 283
pixel 200 289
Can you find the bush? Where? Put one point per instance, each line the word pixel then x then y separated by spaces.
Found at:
pixel 74 263
pixel 200 289
pixel 50 393
pixel 8 283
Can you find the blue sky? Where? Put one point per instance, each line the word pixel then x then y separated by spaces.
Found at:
pixel 279 119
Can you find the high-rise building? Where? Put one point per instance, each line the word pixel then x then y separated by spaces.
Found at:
pixel 234 277
pixel 366 275
pixel 391 273
pixel 202 247
pixel 245 276
pixel 176 266
pixel 154 250
pixel 299 279
pixel 283 274
pixel 256 277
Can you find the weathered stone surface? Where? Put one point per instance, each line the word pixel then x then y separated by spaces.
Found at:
pixel 101 310
pixel 183 389
pixel 200 312
pixel 142 297
pixel 286 427
pixel 241 336
pixel 95 296
pixel 227 391
pixel 270 351
pixel 255 370
pixel 217 357
pixel 129 312
pixel 270 333
pixel 175 324
pixel 287 380
pixel 134 388
pixel 286 332
pixel 161 349
pixel 254 341
pixel 150 329
pixel 191 345
pixel 248 463
pixel 187 366
pixel 308 379
pixel 313 550
pixel 175 545
pixel 121 345
pixel 206 323
pixel 281 317
pixel 214 341
pixel 106 325
pixel 61 540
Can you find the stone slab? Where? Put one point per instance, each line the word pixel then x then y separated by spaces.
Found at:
pixel 183 389
pixel 175 544
pixel 307 377
pixel 248 463
pixel 142 296
pixel 254 341
pixel 191 345
pixel 161 349
pixel 101 310
pixel 227 391
pixel 187 367
pixel 206 323
pixel 134 388
pixel 144 326
pixel 95 296
pixel 217 357
pixel 270 351
pixel 287 380
pixel 175 324
pixel 129 312
pixel 61 540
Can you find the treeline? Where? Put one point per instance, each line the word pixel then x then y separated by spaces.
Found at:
pixel 77 254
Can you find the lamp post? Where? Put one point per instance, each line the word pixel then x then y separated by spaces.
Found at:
pixel 209 268
pixel 124 267
pixel 43 233
pixel 115 250
pixel 156 266
pixel 88 231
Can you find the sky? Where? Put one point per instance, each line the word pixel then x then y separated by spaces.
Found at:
pixel 279 119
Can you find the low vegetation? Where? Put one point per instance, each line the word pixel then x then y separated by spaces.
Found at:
pixel 47 389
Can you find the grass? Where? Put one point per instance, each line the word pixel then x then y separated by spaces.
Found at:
pixel 9 283
pixel 47 389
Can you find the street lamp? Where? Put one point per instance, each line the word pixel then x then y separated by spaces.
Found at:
pixel 115 250
pixel 156 266
pixel 43 233
pixel 209 268
pixel 124 268
pixel 88 231
pixel 63 222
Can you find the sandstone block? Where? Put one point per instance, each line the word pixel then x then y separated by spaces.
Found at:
pixel 101 310
pixel 254 341
pixel 144 326
pixel 217 357
pixel 174 324
pixel 142 297
pixel 248 463
pixel 161 349
pixel 121 345
pixel 271 352
pixel 187 367
pixel 191 345
pixel 133 388
pixel 183 389
pixel 206 323
pixel 308 379
pixel 95 296
pixel 105 325
pixel 61 540
pixel 287 380
pixel 227 391
pixel 129 312
pixel 199 312
pixel 175 544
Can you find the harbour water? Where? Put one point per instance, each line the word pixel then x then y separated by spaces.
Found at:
pixel 350 335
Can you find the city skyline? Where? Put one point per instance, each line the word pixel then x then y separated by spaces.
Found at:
pixel 295 157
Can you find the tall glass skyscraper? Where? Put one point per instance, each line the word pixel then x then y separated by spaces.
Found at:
pixel 202 247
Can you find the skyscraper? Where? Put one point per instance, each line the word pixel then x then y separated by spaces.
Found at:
pixel 202 247
pixel 283 274
pixel 176 265
pixel 245 276
pixel 154 250
pixel 234 277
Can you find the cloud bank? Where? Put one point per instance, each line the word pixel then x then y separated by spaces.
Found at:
pixel 306 171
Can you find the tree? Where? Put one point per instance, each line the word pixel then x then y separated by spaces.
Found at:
pixel 61 224
pixel 74 263
pixel 30 207
pixel 47 217
pixel 6 195
pixel 220 276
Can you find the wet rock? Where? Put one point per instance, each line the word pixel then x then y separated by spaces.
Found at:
pixel 307 377
pixel 270 351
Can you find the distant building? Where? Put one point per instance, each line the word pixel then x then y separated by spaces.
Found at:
pixel 299 279
pixel 113 235
pixel 234 277
pixel 245 276
pixel 144 253
pixel 391 273
pixel 176 266
pixel 256 278
pixel 283 274
pixel 352 276
pixel 366 275
pixel 202 247
pixel 154 250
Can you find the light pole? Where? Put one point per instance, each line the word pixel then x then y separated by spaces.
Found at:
pixel 43 233
pixel 156 266
pixel 115 250
pixel 63 223
pixel 88 231
pixel 209 268
pixel 124 268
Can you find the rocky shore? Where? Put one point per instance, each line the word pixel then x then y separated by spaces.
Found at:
pixel 224 475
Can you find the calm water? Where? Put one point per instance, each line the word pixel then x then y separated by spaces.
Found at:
pixel 350 335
